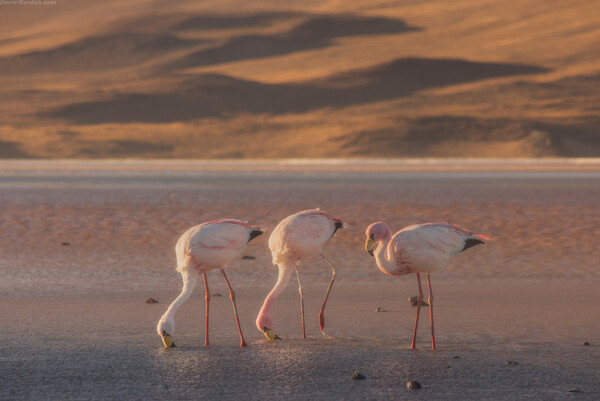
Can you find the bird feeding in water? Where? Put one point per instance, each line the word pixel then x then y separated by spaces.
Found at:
pixel 211 245
pixel 296 237
pixel 420 248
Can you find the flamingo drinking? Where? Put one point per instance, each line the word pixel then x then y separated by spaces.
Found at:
pixel 416 249
pixel 296 237
pixel 211 245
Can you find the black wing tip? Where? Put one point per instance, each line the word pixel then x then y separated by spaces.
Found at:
pixel 471 242
pixel 254 234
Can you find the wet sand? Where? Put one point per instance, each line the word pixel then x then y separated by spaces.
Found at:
pixel 75 323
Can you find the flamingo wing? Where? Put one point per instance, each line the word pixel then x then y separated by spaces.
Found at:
pixel 428 247
pixel 213 244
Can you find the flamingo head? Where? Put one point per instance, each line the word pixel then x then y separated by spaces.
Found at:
pixel 375 233
pixel 166 326
pixel 264 324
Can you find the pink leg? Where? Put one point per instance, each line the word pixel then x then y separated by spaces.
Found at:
pixel 430 300
pixel 207 299
pixel 419 300
pixel 321 316
pixel 301 301
pixel 237 320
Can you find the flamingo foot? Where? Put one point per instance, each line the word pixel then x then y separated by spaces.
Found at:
pixel 321 321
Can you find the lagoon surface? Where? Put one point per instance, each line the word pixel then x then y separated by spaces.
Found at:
pixel 84 243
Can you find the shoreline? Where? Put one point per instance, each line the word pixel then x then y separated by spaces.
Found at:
pixel 83 166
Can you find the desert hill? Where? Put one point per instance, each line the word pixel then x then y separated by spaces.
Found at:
pixel 268 80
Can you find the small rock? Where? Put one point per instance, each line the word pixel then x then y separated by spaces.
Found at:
pixel 413 385
pixel 66 243
pixel 358 376
pixel 217 294
pixel 151 301
pixel 511 363
pixel 248 257
pixel 380 309
pixel 415 300
pixel 574 390
pixel 456 357
pixel 586 344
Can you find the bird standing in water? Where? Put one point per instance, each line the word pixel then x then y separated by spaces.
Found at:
pixel 420 248
pixel 211 245
pixel 296 237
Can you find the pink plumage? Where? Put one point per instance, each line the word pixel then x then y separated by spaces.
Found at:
pixel 296 237
pixel 207 246
pixel 420 248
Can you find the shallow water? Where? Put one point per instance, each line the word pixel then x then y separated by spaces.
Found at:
pixel 75 324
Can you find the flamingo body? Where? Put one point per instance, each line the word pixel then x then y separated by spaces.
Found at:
pixel 204 247
pixel 424 248
pixel 420 248
pixel 294 238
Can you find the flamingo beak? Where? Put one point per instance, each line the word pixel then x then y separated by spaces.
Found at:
pixel 270 334
pixel 369 245
pixel 167 340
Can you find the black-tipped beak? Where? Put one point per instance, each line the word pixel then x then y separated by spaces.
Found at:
pixel 167 340
pixel 369 246
pixel 270 334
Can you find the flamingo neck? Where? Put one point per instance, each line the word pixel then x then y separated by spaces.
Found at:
pixel 264 316
pixel 383 255
pixel 189 281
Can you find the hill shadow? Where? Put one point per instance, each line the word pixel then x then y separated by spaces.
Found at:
pixel 95 53
pixel 212 95
pixel 11 150
pixel 417 137
pixel 230 21
pixel 315 33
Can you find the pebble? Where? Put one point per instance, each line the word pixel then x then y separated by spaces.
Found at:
pixel 456 357
pixel 413 385
pixel 512 363
pixel 380 309
pixel 217 294
pixel 415 300
pixel 574 390
pixel 151 301
pixel 248 257
pixel 66 243
pixel 358 376
pixel 586 344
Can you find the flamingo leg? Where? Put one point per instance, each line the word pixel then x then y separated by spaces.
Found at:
pixel 301 301
pixel 430 301
pixel 321 316
pixel 237 320
pixel 207 299
pixel 419 300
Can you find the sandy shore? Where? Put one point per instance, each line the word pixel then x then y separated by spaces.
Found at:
pixel 83 248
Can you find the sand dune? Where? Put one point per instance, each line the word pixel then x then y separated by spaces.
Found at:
pixel 212 95
pixel 314 33
pixel 367 79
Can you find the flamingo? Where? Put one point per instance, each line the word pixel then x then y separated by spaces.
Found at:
pixel 418 248
pixel 296 237
pixel 207 246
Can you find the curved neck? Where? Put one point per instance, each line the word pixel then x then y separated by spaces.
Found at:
pixel 189 281
pixel 384 257
pixel 264 316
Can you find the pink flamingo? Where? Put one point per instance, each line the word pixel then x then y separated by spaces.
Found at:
pixel 296 237
pixel 202 248
pixel 418 248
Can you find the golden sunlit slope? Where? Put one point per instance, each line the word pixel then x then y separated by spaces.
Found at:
pixel 265 79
